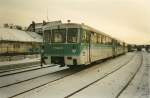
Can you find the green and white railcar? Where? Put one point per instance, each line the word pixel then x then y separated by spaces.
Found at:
pixel 77 44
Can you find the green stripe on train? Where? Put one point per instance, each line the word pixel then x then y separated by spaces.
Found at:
pixel 74 49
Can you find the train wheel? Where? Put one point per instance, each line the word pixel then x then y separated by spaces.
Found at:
pixel 62 66
pixel 71 66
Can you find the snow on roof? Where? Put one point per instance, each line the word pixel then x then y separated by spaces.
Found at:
pixel 18 35
pixel 52 23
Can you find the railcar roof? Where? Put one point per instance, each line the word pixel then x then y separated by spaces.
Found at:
pixel 76 25
pixel 7 34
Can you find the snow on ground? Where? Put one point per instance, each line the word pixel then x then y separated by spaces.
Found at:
pixel 110 86
pixel 27 60
pixel 24 69
pixel 65 86
pixel 6 80
pixel 27 85
pixel 139 87
pixel 7 67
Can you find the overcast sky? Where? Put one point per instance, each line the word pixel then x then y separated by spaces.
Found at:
pixel 127 20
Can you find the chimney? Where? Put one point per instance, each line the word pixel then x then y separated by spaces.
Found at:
pixel 68 21
pixel 33 26
pixel 44 22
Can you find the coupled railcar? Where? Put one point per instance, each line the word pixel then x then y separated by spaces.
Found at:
pixel 74 44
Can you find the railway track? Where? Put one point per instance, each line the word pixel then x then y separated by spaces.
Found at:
pixel 71 95
pixel 121 91
pixel 27 71
pixel 26 79
pixel 22 70
pixel 68 73
pixel 15 69
pixel 12 68
pixel 46 82
pixel 98 81
pixel 63 73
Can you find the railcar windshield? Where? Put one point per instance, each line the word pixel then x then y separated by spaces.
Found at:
pixel 58 36
pixel 47 35
pixel 72 35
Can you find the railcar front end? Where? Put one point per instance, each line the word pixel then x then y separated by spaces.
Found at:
pixel 62 46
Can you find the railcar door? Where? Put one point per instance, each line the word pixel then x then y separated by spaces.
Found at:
pixel 114 48
pixel 92 53
pixel 89 47
pixel 86 58
pixel 124 47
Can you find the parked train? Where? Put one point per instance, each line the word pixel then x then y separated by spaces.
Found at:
pixel 74 44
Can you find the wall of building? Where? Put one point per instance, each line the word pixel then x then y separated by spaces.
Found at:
pixel 18 48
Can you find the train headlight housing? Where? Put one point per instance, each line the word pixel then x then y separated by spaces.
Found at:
pixel 73 50
pixel 83 53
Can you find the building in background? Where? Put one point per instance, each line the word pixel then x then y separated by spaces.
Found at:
pixel 38 27
pixel 17 42
pixel 13 26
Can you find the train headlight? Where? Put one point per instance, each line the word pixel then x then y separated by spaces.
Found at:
pixel 73 50
pixel 42 50
pixel 83 53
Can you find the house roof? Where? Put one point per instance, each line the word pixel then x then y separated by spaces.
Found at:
pixel 18 35
pixel 40 25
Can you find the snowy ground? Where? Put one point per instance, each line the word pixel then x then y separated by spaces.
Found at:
pixel 106 87
pixel 11 90
pixel 19 64
pixel 63 87
pixel 18 57
pixel 21 87
pixel 110 86
pixel 26 60
pixel 140 86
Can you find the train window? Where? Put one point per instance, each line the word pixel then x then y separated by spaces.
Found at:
pixel 58 36
pixel 99 39
pixel 72 35
pixel 106 40
pixel 103 39
pixel 121 43
pixel 47 35
pixel 88 36
pixel 94 37
pixel 85 36
pixel 110 41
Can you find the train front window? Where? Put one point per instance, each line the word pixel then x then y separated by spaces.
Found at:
pixel 72 35
pixel 47 34
pixel 58 36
